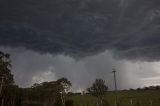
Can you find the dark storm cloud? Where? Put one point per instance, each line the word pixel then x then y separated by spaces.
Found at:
pixel 31 67
pixel 129 28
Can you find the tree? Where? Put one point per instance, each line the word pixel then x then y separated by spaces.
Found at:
pixel 5 71
pixel 45 92
pixel 98 89
pixel 6 78
pixel 51 93
pixel 65 84
pixel 12 96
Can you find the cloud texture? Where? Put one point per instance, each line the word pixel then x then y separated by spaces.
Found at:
pixel 128 28
pixel 102 34
pixel 30 67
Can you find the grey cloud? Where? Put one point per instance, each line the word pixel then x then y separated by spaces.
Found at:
pixel 128 28
pixel 30 67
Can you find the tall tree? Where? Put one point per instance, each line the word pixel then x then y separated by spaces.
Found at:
pixel 65 84
pixel 5 69
pixel 6 78
pixel 98 89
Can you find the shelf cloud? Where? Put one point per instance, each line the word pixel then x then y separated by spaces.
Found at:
pixel 82 39
pixel 78 28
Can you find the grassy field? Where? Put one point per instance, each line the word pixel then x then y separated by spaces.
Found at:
pixel 126 98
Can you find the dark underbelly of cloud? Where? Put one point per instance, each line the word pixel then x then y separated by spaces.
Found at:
pixel 128 28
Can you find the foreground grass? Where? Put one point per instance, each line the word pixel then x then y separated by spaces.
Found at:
pixel 126 98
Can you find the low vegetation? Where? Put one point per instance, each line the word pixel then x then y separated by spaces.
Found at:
pixel 126 98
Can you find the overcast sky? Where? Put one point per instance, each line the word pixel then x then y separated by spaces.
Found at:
pixel 82 40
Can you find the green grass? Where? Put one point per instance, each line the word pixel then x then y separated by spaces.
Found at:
pixel 85 99
pixel 143 98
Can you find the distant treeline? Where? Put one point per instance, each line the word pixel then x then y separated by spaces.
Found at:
pixel 157 87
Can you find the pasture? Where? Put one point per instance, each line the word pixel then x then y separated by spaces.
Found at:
pixel 125 98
